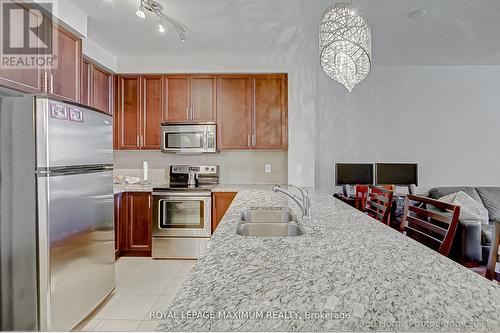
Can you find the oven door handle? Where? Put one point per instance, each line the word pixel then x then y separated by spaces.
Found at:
pixel 180 196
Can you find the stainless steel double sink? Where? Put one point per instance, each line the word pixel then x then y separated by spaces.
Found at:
pixel 268 222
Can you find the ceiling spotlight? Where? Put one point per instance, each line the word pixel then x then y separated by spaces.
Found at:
pixel 140 12
pixel 161 28
pixel 165 22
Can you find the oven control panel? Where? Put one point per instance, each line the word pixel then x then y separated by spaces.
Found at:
pixel 200 170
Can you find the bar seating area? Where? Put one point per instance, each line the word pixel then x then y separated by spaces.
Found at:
pixel 429 221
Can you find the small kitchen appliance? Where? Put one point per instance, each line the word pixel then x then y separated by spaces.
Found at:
pixel 189 138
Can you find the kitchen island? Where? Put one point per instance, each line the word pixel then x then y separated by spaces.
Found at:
pixel 354 274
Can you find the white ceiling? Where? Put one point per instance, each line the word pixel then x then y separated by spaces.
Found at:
pixel 453 32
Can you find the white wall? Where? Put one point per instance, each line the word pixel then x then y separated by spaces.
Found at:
pixel 301 87
pixel 445 118
pixel 73 19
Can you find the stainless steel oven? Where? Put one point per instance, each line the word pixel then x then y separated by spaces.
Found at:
pixel 182 212
pixel 189 138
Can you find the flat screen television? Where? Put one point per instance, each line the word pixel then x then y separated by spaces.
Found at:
pixel 401 174
pixel 353 174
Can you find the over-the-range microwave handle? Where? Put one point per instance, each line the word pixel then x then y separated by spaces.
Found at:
pixel 205 140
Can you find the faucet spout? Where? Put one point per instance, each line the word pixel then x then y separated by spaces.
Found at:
pixel 304 204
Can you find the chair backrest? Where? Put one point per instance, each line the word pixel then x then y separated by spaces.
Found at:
pixel 379 203
pixel 493 261
pixel 361 194
pixel 434 228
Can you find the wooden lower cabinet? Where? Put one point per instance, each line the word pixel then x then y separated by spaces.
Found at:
pixel 133 224
pixel 220 203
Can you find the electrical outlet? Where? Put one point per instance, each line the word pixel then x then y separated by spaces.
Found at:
pixel 268 168
pixel 298 169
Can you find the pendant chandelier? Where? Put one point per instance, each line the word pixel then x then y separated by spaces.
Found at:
pixel 156 8
pixel 345 45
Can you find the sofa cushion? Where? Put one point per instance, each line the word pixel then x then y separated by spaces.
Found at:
pixel 471 211
pixel 491 200
pixel 439 192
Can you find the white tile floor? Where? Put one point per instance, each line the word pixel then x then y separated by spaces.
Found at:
pixel 142 285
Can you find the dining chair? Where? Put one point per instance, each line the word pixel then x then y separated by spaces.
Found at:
pixel 493 263
pixel 434 228
pixel 361 194
pixel 379 203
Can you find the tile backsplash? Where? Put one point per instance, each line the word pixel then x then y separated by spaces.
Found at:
pixel 236 167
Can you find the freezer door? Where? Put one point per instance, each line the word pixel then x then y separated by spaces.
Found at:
pixel 69 135
pixel 76 251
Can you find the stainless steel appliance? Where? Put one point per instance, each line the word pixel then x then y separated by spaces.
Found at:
pixel 189 138
pixel 56 204
pixel 182 212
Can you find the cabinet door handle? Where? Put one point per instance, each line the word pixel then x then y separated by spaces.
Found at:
pixel 188 114
pixel 254 141
pixel 149 201
pixel 192 113
pixel 51 83
pixel 137 141
pixel 248 141
pixel 142 140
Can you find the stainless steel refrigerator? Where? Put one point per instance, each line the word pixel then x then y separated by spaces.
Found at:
pixel 56 213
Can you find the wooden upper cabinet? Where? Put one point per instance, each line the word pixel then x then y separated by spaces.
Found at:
pixel 152 101
pixel 234 121
pixel 101 97
pixel 64 81
pixel 25 80
pixel 177 98
pixel 190 98
pixel 203 97
pixel 270 112
pixel 86 82
pixel 128 117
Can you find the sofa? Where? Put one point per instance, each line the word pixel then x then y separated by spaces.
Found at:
pixel 473 240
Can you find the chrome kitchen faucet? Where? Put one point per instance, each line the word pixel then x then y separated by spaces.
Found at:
pixel 304 203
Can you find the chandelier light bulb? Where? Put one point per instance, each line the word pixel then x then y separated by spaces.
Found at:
pixel 140 13
pixel 182 37
pixel 161 28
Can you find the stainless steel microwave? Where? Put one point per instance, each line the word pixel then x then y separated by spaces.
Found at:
pixel 189 138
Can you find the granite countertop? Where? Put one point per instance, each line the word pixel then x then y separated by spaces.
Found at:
pixel 120 188
pixel 355 274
